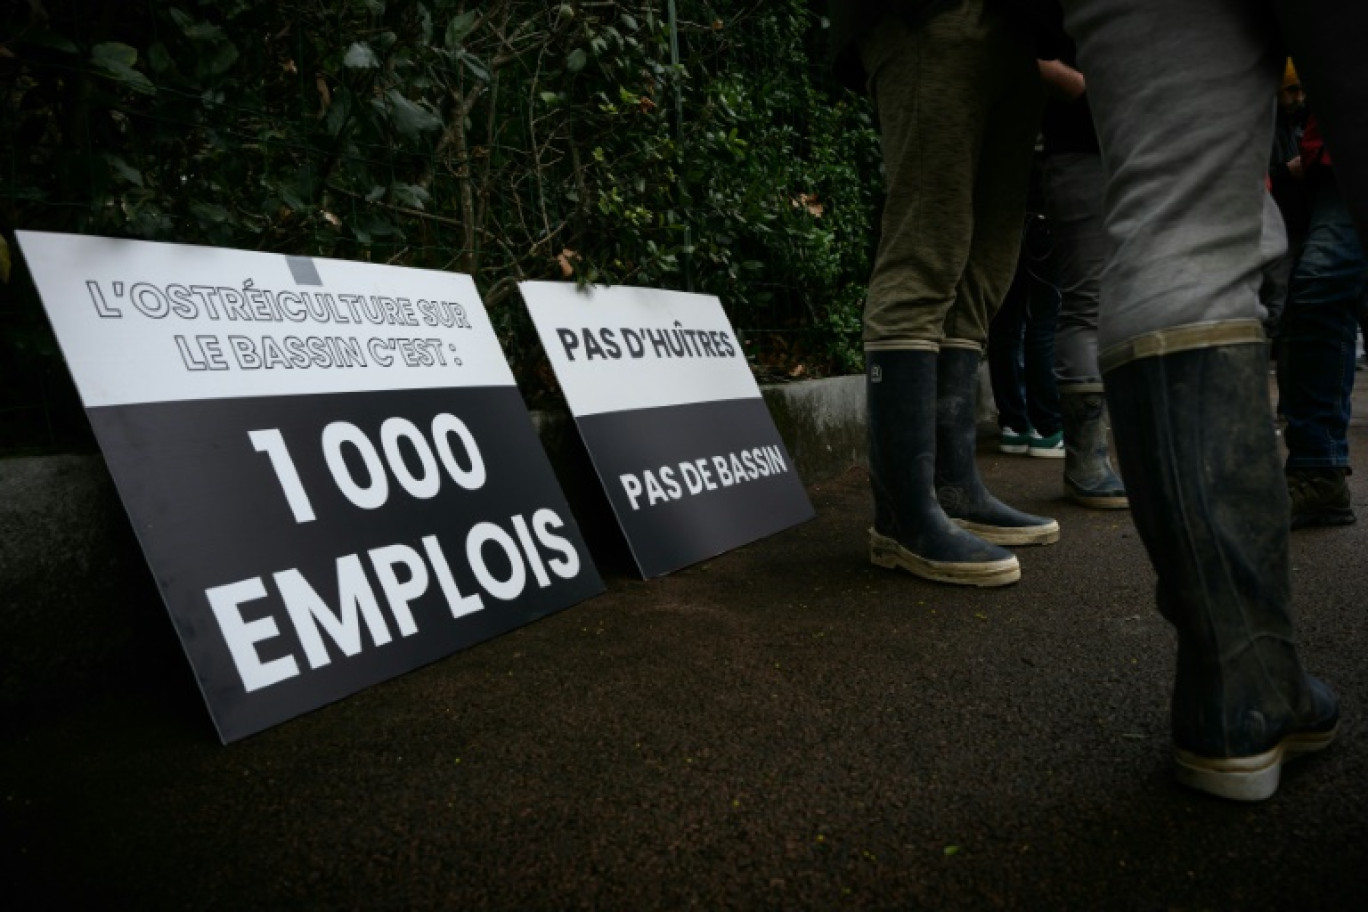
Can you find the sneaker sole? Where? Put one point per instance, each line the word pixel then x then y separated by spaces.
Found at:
pixel 1253 778
pixel 886 552
pixel 1013 448
pixel 1048 454
pixel 1006 535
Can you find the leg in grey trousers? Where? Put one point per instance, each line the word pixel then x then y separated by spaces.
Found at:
pixel 1184 145
pixel 1074 183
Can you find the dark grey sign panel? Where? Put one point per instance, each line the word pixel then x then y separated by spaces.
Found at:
pixel 689 482
pixel 279 617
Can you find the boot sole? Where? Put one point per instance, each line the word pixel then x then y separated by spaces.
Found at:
pixel 1007 535
pixel 1253 778
pixel 1099 501
pixel 886 552
pixel 1325 518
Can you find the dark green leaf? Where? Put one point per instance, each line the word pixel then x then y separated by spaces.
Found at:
pixel 338 112
pixel 410 195
pixel 459 27
pixel 124 170
pixel 159 59
pixel 204 31
pixel 477 69
pixel 113 54
pixel 424 24
pixel 374 226
pixel 46 38
pixel 115 60
pixel 360 57
pixel 220 60
pixel 208 212
pixel 408 118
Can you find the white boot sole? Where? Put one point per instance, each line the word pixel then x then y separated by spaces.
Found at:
pixel 1045 534
pixel 1253 778
pixel 886 552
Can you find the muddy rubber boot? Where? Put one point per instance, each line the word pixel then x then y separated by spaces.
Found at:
pixel 910 529
pixel 1089 478
pixel 959 489
pixel 1320 497
pixel 1208 500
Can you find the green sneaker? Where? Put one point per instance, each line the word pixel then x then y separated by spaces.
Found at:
pixel 1051 447
pixel 1012 442
pixel 1320 497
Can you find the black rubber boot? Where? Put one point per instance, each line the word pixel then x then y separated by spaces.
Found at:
pixel 910 529
pixel 958 487
pixel 1319 497
pixel 1208 499
pixel 1089 479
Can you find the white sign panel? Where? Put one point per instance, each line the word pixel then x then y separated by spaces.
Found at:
pixel 328 465
pixel 672 418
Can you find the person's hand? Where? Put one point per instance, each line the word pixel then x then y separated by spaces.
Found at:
pixel 1294 168
pixel 1061 78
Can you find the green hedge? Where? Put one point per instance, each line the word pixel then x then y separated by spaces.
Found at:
pixel 505 139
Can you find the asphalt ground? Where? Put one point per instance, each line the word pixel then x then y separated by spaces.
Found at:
pixel 783 727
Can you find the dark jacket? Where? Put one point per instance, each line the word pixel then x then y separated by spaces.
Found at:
pixel 1040 20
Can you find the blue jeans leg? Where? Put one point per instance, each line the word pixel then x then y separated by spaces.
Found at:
pixel 1073 204
pixel 1006 357
pixel 1319 329
pixel 1042 319
pixel 1021 339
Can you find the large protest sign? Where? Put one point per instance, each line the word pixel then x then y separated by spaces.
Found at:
pixel 329 467
pixel 672 419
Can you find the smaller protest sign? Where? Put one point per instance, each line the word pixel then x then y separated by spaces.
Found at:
pixel 673 420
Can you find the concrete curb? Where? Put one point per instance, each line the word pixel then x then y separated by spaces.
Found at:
pixel 823 424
